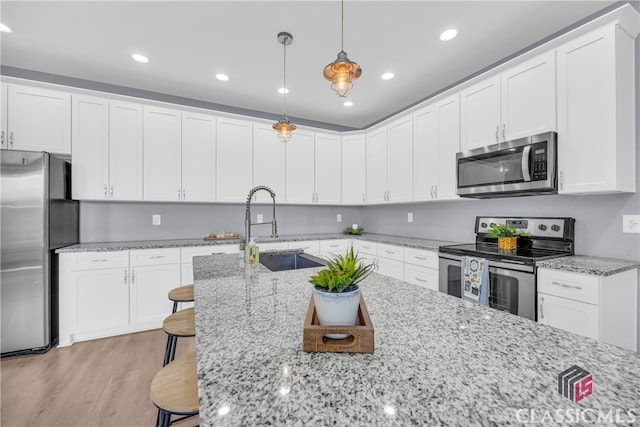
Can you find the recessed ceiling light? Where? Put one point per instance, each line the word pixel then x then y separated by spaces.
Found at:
pixel 388 76
pixel 222 77
pixel 4 29
pixel 140 58
pixel 283 90
pixel 348 103
pixel 448 34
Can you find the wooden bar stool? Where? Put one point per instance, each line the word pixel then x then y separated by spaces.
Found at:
pixel 181 294
pixel 179 324
pixel 174 390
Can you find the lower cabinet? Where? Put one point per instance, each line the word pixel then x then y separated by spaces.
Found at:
pixel 602 308
pixel 391 261
pixel 328 248
pixel 421 268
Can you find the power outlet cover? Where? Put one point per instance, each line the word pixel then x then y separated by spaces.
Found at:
pixel 410 217
pixel 155 219
pixel 259 218
pixel 631 223
pixel 339 217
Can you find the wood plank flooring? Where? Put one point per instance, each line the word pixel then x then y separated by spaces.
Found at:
pixel 93 383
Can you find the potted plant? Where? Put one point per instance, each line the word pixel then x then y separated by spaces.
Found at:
pixel 507 236
pixel 335 292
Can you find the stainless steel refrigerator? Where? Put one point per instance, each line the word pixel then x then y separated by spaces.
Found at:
pixel 37 216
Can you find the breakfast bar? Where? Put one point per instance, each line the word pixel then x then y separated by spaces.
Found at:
pixel 438 360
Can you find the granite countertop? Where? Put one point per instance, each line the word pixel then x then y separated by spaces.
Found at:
pixel 438 360
pixel 596 266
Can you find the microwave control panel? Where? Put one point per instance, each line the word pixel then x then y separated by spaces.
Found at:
pixel 539 150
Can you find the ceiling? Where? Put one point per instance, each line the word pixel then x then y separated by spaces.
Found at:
pixel 189 42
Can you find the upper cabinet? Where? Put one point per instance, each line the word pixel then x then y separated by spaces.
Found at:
pixel 328 169
pixel 268 163
pixel 399 158
pixel 353 169
pixel 596 112
pixel 162 163
pixel 448 141
pixel 377 166
pixel 37 119
pixel 300 168
pixel 198 157
pixel 516 103
pixel 234 149
pixel 107 149
pixel 425 154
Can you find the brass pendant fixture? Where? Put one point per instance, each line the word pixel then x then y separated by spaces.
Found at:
pixel 284 127
pixel 342 72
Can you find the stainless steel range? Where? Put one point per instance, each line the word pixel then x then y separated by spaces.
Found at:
pixel 512 275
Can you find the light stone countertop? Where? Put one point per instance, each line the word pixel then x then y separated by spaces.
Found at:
pixel 438 360
pixel 595 266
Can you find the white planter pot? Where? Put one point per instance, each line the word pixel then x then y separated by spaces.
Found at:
pixel 337 309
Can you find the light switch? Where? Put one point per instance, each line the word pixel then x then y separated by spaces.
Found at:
pixel 339 218
pixel 259 218
pixel 155 219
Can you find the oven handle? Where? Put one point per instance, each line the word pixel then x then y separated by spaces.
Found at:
pixel 525 163
pixel 492 263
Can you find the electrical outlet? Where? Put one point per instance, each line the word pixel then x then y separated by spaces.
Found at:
pixel 259 218
pixel 410 217
pixel 155 219
pixel 631 223
pixel 339 218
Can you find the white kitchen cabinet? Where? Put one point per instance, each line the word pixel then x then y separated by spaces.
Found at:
pixel 421 268
pixel 329 248
pixel 162 154
pixel 272 246
pixel 390 260
pixel 367 251
pixel 516 103
pixel 107 149
pixel 376 156
pixel 311 247
pixel 596 111
pixel 354 166
pixel 448 139
pixel 37 120
pixel 328 169
pixel 425 154
pixel 198 157
pixel 300 168
pixel 269 155
pixel 399 160
pixel 598 307
pixel 234 150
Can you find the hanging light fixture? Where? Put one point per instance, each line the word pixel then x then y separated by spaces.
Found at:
pixel 342 72
pixel 284 127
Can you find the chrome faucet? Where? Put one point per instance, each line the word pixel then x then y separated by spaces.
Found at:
pixel 247 217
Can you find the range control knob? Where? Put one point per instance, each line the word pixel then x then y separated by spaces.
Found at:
pixel 555 227
pixel 542 227
pixel 483 225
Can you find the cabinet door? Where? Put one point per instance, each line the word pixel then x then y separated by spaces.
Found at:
pixel 421 276
pixel 300 170
pixel 125 151
pixel 39 119
pixel 377 166
pixel 353 169
pixel 448 135
pixel 328 169
pixel 162 151
pixel 90 151
pixel 234 149
pixel 391 268
pixel 400 160
pixel 102 299
pixel 578 317
pixel 149 288
pixel 268 163
pixel 425 154
pixel 198 157
pixel 529 98
pixel 480 114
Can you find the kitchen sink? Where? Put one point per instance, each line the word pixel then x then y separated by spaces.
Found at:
pixel 280 261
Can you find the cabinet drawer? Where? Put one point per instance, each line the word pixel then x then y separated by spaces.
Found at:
pixel 328 247
pixel 390 252
pixel 391 268
pixel 573 316
pixel 310 247
pixel 275 246
pixel 578 287
pixel 188 253
pixel 421 257
pixel 368 248
pixel 154 257
pixel 421 276
pixel 95 260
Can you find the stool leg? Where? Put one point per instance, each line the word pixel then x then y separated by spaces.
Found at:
pixel 167 350
pixel 173 348
pixel 175 306
pixel 167 419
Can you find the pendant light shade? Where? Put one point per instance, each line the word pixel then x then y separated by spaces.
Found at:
pixel 284 127
pixel 342 72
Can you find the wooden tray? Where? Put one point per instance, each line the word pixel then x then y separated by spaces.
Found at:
pixel 227 236
pixel 360 339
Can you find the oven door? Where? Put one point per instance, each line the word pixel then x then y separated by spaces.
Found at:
pixel 512 286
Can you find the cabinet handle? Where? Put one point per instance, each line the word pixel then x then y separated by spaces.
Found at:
pixel 561 179
pixel 390 252
pixel 498 133
pixel 105 190
pixel 133 277
pixel 2 138
pixel 541 310
pixel 432 191
pixel 184 194
pixel 125 276
pixel 564 285
pixel 420 257
pixel 334 246
pixel 420 280
pixel 435 190
pixel 179 192
pixel 157 256
pixel 11 139
pixel 99 260
pixel 504 131
pixel 111 190
pixel 362 197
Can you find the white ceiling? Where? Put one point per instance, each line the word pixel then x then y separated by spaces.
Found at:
pixel 189 42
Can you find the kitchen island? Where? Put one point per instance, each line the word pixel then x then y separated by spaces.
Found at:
pixel 437 360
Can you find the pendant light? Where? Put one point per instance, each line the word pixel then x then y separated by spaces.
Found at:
pixel 342 72
pixel 284 127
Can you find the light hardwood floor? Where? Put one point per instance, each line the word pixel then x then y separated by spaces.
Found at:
pixel 93 383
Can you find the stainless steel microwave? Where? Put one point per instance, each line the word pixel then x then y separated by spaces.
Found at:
pixel 521 167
